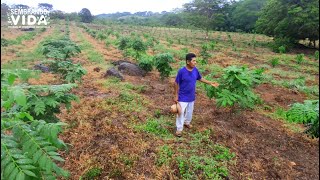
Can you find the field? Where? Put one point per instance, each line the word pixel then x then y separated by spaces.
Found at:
pixel 124 130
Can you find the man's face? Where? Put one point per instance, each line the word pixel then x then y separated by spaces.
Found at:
pixel 192 63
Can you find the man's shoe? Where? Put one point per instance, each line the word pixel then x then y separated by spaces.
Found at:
pixel 189 126
pixel 178 133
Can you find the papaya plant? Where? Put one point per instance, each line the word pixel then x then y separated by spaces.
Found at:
pixel 204 53
pixel 306 113
pixel 146 63
pixel 235 88
pixel 29 146
pixel 60 49
pixel 138 46
pixel 162 63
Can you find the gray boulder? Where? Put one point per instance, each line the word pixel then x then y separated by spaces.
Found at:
pixel 41 67
pixel 117 63
pixel 131 69
pixel 113 72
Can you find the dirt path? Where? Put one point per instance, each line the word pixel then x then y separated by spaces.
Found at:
pixel 101 136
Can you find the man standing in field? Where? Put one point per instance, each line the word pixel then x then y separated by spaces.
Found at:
pixel 184 91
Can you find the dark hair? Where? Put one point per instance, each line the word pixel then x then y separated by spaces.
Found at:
pixel 189 56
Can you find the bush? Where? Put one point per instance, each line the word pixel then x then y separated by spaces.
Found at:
pixel 204 53
pixel 300 58
pixel 146 63
pixel 281 45
pixel 4 42
pixel 138 46
pixel 307 113
pixel 124 43
pixel 60 49
pixel 274 62
pixel 162 63
pixel 91 173
pixel 70 72
pixel 101 36
pixel 236 87
pixel 316 55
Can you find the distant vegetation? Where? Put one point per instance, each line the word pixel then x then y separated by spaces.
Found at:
pixel 287 21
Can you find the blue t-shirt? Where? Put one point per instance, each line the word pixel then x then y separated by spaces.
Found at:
pixel 187 84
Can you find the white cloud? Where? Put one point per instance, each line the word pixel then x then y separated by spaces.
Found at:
pixel 106 6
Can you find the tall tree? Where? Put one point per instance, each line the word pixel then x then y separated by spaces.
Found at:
pixel 205 12
pixel 57 14
pixel 22 6
pixel 85 15
pixel 4 10
pixel 294 20
pixel 172 19
pixel 46 6
pixel 246 13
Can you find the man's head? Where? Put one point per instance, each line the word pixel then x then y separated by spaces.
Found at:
pixel 191 60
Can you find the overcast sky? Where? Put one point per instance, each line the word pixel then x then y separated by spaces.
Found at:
pixel 105 6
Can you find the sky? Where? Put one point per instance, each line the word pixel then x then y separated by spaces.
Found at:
pixel 105 6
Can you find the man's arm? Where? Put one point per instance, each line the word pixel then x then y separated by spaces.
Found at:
pixel 215 84
pixel 176 90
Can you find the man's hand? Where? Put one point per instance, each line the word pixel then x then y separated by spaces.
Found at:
pixel 175 99
pixel 214 84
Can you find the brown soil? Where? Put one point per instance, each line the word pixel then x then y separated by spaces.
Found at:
pixel 278 96
pixel 11 33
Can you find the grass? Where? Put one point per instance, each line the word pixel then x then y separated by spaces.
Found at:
pixel 203 159
pixel 159 127
pixel 164 155
pixel 299 85
pixel 128 160
pixel 128 100
pixel 91 173
pixel 26 59
pixel 88 49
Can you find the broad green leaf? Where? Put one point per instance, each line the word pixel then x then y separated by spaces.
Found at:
pixel 58 158
pixel 10 143
pixel 24 161
pixel 5 161
pixel 37 155
pixel 54 132
pixel 19 156
pixel 48 166
pixel 27 167
pixel 50 148
pixel 39 107
pixel 19 96
pixel 20 176
pixel 52 153
pixel 11 79
pixel 13 174
pixel 29 116
pixel 29 173
pixel 42 161
pixel 8 169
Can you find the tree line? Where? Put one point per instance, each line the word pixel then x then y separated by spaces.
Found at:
pixel 286 21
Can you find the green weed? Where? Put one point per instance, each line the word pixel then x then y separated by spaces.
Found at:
pixel 91 173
